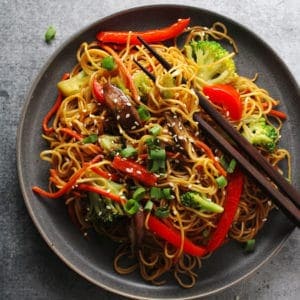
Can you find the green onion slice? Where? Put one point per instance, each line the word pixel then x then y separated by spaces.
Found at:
pixel 131 207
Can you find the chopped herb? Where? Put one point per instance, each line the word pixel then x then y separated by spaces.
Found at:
pixel 221 181
pixel 131 207
pixel 158 154
pixel 143 113
pixel 231 166
pixel 139 193
pixel 108 63
pixel 148 206
pixel 156 193
pixel 250 245
pixel 128 152
pixel 155 130
pixel 167 193
pixel 162 212
pixel 223 162
pixel 50 34
pixel 90 139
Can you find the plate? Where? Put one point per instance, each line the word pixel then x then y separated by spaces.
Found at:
pixel 93 258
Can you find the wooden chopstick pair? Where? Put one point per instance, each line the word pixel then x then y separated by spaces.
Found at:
pixel 284 195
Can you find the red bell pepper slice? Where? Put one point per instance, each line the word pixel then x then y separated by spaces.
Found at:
pixel 97 91
pixel 150 36
pixel 233 194
pixel 226 96
pixel 174 237
pixel 134 170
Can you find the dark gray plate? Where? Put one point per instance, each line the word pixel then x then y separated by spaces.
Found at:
pixel 93 258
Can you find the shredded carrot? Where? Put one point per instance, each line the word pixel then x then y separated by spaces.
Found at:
pixel 54 177
pixel 102 192
pixel 72 133
pixel 104 174
pixel 208 151
pixel 70 184
pixel 54 109
pixel 276 113
pixel 95 148
pixel 124 72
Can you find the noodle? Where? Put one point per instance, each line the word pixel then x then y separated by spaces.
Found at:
pixel 193 163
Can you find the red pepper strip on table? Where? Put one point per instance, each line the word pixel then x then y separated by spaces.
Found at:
pixel 226 96
pixel 173 237
pixel 126 76
pixel 102 192
pixel 97 91
pixel 233 193
pixel 209 153
pixel 54 109
pixel 70 184
pixel 150 36
pixel 134 170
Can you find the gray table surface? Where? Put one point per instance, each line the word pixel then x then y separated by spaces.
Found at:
pixel 28 268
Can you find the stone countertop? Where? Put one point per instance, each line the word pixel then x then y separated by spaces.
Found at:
pixel 29 270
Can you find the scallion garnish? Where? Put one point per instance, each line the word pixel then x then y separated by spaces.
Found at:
pixel 250 245
pixel 143 113
pixel 90 139
pixel 50 34
pixel 155 193
pixel 162 212
pixel 128 151
pixel 139 193
pixel 167 193
pixel 155 130
pixel 108 63
pixel 158 154
pixel 131 207
pixel 148 206
pixel 221 181
pixel 231 166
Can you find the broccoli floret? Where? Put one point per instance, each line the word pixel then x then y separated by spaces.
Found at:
pixel 103 210
pixel 110 143
pixel 198 201
pixel 260 133
pixel 142 82
pixel 214 66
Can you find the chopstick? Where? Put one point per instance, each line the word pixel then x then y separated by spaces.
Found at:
pixel 286 197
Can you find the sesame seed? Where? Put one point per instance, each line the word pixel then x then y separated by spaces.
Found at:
pixel 118 117
pixel 127 116
pixel 129 170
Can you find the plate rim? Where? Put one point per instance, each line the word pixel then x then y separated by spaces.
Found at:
pixel 24 112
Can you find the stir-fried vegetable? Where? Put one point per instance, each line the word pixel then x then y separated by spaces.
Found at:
pixel 215 63
pixel 150 36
